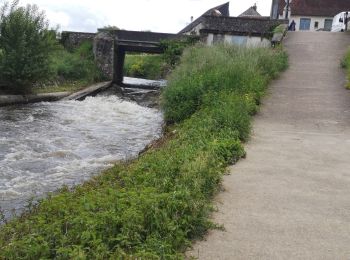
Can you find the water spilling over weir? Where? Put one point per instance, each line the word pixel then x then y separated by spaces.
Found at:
pixel 44 146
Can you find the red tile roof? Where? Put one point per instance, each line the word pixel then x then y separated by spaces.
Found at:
pixel 328 8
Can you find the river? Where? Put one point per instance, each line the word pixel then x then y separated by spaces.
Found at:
pixel 44 146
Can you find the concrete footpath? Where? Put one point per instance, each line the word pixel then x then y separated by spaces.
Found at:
pixel 290 198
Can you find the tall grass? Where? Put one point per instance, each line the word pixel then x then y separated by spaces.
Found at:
pixel 155 206
pixel 204 71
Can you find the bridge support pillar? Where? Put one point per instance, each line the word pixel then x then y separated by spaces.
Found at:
pixel 119 58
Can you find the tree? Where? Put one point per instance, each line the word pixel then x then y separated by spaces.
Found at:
pixel 111 27
pixel 25 47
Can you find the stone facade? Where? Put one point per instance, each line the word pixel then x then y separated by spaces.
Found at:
pixel 104 53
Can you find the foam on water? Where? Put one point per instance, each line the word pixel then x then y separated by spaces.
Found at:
pixel 47 145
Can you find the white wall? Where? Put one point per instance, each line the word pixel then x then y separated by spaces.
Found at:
pixel 195 30
pixel 238 40
pixel 246 41
pixel 319 19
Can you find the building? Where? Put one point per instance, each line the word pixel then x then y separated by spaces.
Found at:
pixel 309 15
pixel 249 29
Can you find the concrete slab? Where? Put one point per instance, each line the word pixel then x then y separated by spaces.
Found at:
pixel 6 100
pixel 89 91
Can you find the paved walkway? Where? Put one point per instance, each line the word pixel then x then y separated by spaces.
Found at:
pixel 290 199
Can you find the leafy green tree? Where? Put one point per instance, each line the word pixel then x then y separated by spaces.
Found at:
pixel 111 27
pixel 25 47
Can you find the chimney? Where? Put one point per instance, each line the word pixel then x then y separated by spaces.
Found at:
pixel 255 7
pixel 191 19
pixel 274 9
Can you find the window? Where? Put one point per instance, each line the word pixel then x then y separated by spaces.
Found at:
pixel 218 38
pixel 316 25
pixel 305 24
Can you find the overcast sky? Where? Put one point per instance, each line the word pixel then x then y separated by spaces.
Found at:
pixel 155 15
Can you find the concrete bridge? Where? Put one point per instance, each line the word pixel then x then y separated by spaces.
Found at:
pixel 146 42
pixel 110 47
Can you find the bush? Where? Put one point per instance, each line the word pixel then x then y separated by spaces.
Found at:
pixel 26 44
pixel 76 65
pixel 145 66
pixel 345 63
pixel 222 68
pixel 173 49
pixel 153 207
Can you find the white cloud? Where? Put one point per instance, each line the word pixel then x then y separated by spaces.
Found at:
pixel 58 18
pixel 155 15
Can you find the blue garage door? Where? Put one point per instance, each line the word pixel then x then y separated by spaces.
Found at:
pixel 305 24
pixel 328 24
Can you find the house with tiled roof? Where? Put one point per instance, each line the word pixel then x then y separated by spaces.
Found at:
pixel 309 15
pixel 217 26
pixel 195 26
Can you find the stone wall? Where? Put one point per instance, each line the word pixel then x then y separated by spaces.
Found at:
pixel 104 53
pixel 71 40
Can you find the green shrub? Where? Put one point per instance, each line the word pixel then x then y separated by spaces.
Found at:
pixel 173 49
pixel 145 66
pixel 76 65
pixel 345 63
pixel 153 207
pixel 239 70
pixel 26 44
pixel 280 29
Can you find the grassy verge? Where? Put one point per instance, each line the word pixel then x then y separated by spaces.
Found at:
pixel 346 65
pixel 154 206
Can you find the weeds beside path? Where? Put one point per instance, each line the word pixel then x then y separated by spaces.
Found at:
pixel 154 206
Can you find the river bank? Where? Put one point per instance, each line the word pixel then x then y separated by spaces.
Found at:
pixel 152 207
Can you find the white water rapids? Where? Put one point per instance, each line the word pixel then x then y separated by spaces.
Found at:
pixel 44 146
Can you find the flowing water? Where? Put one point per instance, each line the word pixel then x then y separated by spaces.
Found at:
pixel 44 146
